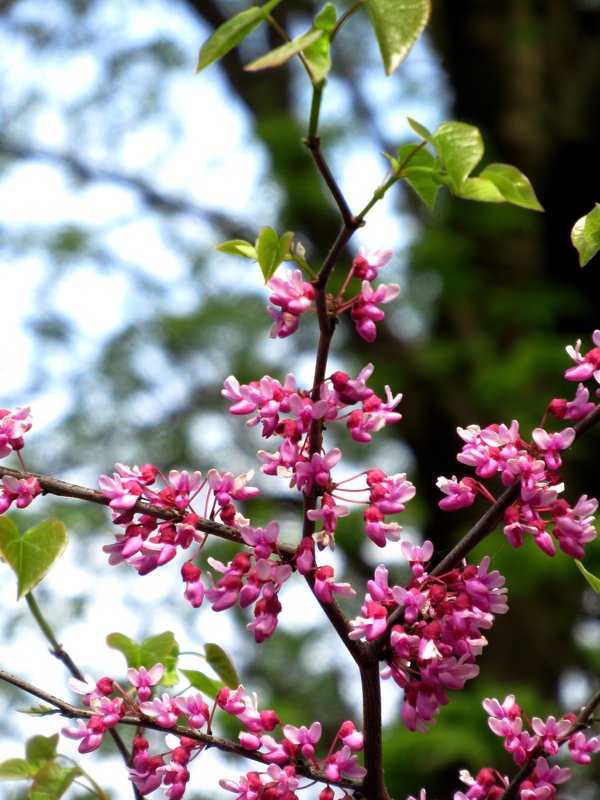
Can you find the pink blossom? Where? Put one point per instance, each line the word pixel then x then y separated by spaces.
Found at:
pixel 90 734
pixel 459 493
pixel 325 585
pixel 573 410
pixel 13 426
pixel 304 738
pixel 366 265
pixel 551 443
pixel 581 748
pixel 144 679
pixel 343 763
pixel 165 710
pixel 365 310
pixel 194 708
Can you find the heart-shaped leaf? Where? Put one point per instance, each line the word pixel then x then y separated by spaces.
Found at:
pixel 397 25
pixel 514 187
pixel 32 555
pixel 460 148
pixel 159 649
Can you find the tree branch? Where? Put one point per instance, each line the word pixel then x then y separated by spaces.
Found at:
pixel 70 711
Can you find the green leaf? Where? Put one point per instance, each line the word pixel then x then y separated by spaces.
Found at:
pixel 208 686
pixel 419 172
pixel 40 749
pixel 514 187
pixel 326 19
pixel 238 247
pixel 419 129
pixel 271 251
pixel 591 579
pixel 397 25
pixel 585 235
pixel 222 664
pixel 159 649
pixel 16 769
pixel 318 55
pixel 53 780
pixel 231 33
pixel 32 555
pixel 480 189
pixel 278 56
pixel 460 148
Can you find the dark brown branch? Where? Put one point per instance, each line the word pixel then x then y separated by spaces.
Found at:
pixel 73 712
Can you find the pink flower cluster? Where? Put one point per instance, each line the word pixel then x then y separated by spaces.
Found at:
pixel 250 577
pixel 435 645
pixel 539 511
pixel 20 491
pixel 292 296
pixel 13 426
pixel 110 704
pixel 288 413
pixel 280 778
pixel 544 740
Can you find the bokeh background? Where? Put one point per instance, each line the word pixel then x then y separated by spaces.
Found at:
pixel 120 170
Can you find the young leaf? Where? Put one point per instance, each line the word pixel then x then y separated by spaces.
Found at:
pixel 480 189
pixel 268 252
pixel 231 33
pixel 591 579
pixel 419 129
pixel 159 649
pixel 283 53
pixel 397 25
pixel 419 172
pixel 53 780
pixel 514 187
pixel 326 18
pixel 460 148
pixel 40 749
pixel 585 235
pixel 32 555
pixel 237 247
pixel 16 769
pixel 318 56
pixel 208 686
pixel 222 664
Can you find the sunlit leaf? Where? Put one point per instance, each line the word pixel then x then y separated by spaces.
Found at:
pixel 232 32
pixel 514 187
pixel 318 56
pixel 278 56
pixel 480 189
pixel 271 250
pixel 159 649
pixel 32 555
pixel 222 664
pixel 326 18
pixel 585 235
pixel 591 579
pixel 237 247
pixel 397 25
pixel 419 129
pixel 460 148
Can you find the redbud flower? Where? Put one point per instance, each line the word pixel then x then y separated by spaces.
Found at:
pixel 13 426
pixel 366 312
pixel 144 679
pixel 366 265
